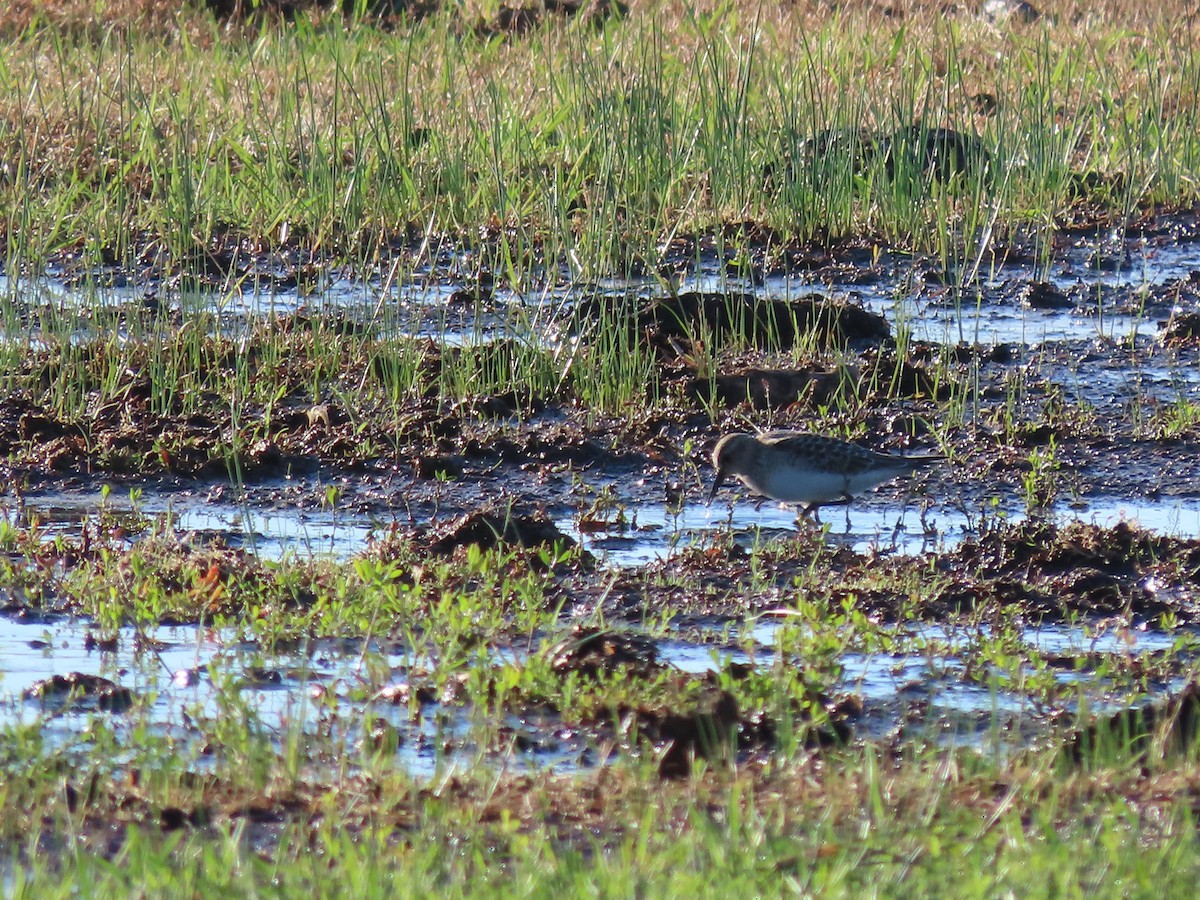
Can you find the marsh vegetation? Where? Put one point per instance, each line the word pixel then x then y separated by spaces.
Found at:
pixel 359 373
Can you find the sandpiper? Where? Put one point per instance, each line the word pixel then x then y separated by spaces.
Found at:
pixel 808 469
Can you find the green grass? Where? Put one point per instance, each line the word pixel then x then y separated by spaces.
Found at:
pixel 562 157
pixel 570 150
pixel 929 822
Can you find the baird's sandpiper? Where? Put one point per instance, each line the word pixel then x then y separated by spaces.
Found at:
pixel 807 469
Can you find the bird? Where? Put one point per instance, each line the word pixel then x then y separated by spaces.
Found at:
pixel 807 469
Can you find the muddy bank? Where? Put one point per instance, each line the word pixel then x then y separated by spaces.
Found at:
pixel 1040 570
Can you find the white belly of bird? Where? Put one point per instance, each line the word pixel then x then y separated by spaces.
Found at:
pixel 808 486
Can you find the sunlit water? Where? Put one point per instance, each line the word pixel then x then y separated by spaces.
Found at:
pixel 1092 273
pixel 654 533
pixel 634 535
pixel 193 685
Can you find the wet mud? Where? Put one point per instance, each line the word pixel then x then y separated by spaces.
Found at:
pixel 1057 389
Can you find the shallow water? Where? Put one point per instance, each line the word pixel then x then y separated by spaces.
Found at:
pixel 1107 278
pixel 266 530
pixel 1106 299
pixel 188 680
pixel 643 533
pixel 654 532
pixel 191 680
pixel 929 686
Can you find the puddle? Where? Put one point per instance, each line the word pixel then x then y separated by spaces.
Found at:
pixel 269 532
pixel 1173 516
pixel 1100 298
pixel 419 307
pixel 642 534
pixel 190 680
pixel 697 659
pixel 936 643
pixel 1104 282
pixel 276 534
pixel 931 687
pixel 1107 287
pixel 652 533
pixel 186 681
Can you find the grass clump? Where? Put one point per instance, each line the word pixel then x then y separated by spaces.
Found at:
pixel 840 825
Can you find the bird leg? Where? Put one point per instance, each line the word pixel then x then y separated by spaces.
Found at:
pixel 809 510
pixel 813 510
